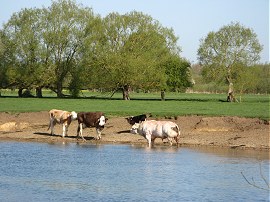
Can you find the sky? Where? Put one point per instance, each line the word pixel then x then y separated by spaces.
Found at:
pixel 191 20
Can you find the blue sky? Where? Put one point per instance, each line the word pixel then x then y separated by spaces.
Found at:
pixel 191 20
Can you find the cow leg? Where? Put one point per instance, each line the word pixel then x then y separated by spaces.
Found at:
pixel 98 134
pixel 176 140
pixel 170 140
pixel 153 141
pixel 52 124
pixel 79 131
pixel 148 137
pixel 64 130
pixel 163 140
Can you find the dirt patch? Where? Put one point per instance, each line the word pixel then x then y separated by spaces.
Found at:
pixel 231 132
pixel 14 126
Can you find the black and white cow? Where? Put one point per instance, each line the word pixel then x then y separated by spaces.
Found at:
pixel 136 119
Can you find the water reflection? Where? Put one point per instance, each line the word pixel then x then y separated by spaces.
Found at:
pixel 159 148
pixel 233 153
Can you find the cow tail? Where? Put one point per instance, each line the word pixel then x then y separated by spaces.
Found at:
pixel 51 115
pixel 177 138
pixel 178 129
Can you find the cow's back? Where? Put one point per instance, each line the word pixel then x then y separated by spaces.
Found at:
pixel 90 119
pixel 57 115
pixel 148 127
pixel 159 128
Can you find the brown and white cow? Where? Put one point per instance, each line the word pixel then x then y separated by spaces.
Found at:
pixel 91 119
pixel 157 129
pixel 61 117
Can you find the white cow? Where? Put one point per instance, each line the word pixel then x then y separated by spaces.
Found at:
pixel 61 117
pixel 157 129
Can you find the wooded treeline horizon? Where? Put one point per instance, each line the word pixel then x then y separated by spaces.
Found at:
pixel 68 46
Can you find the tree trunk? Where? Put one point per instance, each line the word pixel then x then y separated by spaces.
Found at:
pixel 162 94
pixel 39 92
pixel 20 92
pixel 230 96
pixel 59 89
pixel 126 90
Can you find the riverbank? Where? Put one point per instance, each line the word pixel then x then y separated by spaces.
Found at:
pixel 232 132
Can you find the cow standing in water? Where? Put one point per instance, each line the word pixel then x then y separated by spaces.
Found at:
pixel 157 129
pixel 91 119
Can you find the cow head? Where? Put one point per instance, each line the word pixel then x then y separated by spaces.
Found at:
pixel 73 115
pixel 134 128
pixel 130 121
pixel 102 120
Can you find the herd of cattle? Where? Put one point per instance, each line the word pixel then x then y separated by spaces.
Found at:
pixel 149 129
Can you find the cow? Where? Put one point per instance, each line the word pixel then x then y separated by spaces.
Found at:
pixel 61 117
pixel 136 119
pixel 153 129
pixel 90 119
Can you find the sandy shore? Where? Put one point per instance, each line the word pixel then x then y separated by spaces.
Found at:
pixel 233 132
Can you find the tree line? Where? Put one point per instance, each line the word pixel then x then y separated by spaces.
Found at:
pixel 67 45
pixel 253 79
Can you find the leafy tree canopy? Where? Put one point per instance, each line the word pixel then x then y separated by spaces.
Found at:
pixel 222 52
pixel 67 45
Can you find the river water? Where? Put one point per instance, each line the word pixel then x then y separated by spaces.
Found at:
pixel 87 172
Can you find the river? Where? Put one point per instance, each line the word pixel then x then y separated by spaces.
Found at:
pixel 106 172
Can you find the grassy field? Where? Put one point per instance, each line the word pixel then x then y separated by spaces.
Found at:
pixel 176 104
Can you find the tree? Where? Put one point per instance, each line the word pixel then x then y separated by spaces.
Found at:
pixel 223 51
pixel 64 26
pixel 21 39
pixel 44 46
pixel 264 78
pixel 3 66
pixel 253 79
pixel 127 52
pixel 178 74
pixel 264 179
pixel 66 45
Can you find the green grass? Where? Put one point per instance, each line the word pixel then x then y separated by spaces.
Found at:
pixel 176 104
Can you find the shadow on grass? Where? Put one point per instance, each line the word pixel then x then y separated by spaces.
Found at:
pixel 109 98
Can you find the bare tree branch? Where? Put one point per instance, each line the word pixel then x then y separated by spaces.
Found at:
pixel 253 183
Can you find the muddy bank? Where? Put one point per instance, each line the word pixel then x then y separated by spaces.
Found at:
pixel 233 132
